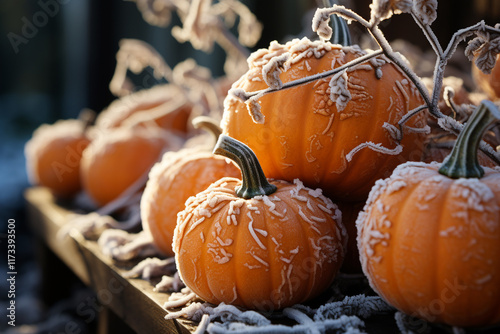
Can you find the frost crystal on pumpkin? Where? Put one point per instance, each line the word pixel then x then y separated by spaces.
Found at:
pixel 425 10
pixel 271 71
pixel 339 91
pixel 321 24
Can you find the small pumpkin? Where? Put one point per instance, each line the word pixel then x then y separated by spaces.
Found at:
pixel 178 176
pixel 489 83
pixel 165 105
pixel 120 157
pixel 53 156
pixel 429 235
pixel 257 243
pixel 317 131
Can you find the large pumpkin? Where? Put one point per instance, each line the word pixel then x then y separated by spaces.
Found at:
pixel 53 156
pixel 307 135
pixel 429 236
pixel 118 158
pixel 166 105
pixel 258 244
pixel 172 181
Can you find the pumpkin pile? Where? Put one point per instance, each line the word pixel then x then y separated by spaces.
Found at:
pixel 328 161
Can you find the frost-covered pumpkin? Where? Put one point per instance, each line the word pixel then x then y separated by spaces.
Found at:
pixel 318 132
pixel 489 83
pixel 118 158
pixel 429 236
pixel 165 105
pixel 258 244
pixel 53 156
pixel 178 176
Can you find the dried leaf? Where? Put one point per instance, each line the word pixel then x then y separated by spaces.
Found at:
pixel 484 50
pixel 425 10
pixel 383 9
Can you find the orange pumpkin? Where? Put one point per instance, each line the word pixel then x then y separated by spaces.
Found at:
pixel 489 83
pixel 172 181
pixel 429 236
pixel 166 105
pixel 258 244
pixel 306 135
pixel 53 156
pixel 118 158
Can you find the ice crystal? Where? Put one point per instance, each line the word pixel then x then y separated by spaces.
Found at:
pixel 425 10
pixel 169 284
pixel 339 92
pixel 152 267
pixel 383 9
pixel 121 245
pixel 360 305
pixel 271 71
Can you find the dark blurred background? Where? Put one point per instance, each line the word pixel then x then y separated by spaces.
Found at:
pixel 58 56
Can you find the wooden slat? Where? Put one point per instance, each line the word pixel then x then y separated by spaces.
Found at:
pixel 133 300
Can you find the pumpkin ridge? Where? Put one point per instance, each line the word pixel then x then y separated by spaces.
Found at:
pixel 439 273
pixel 393 254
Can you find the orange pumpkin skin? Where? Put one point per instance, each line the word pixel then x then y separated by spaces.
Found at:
pixel 305 136
pixel 140 106
pixel 114 161
pixel 252 253
pixel 429 244
pixel 53 156
pixel 172 181
pixel 489 83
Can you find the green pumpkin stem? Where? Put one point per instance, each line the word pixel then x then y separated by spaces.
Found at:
pixel 341 34
pixel 463 162
pixel 254 180
pixel 208 124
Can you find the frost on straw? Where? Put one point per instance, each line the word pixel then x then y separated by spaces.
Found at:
pixel 383 9
pixel 123 246
pixel 425 10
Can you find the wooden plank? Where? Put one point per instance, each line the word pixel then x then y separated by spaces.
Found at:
pixel 133 300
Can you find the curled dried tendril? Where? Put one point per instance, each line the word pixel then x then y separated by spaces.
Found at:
pixel 321 23
pixel 199 26
pixel 271 71
pixel 383 9
pixel 135 55
pixel 156 12
pixel 484 50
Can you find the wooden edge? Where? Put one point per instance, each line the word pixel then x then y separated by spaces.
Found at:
pixel 133 300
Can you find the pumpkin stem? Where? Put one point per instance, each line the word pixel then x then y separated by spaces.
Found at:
pixel 208 124
pixel 462 162
pixel 339 26
pixel 254 181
